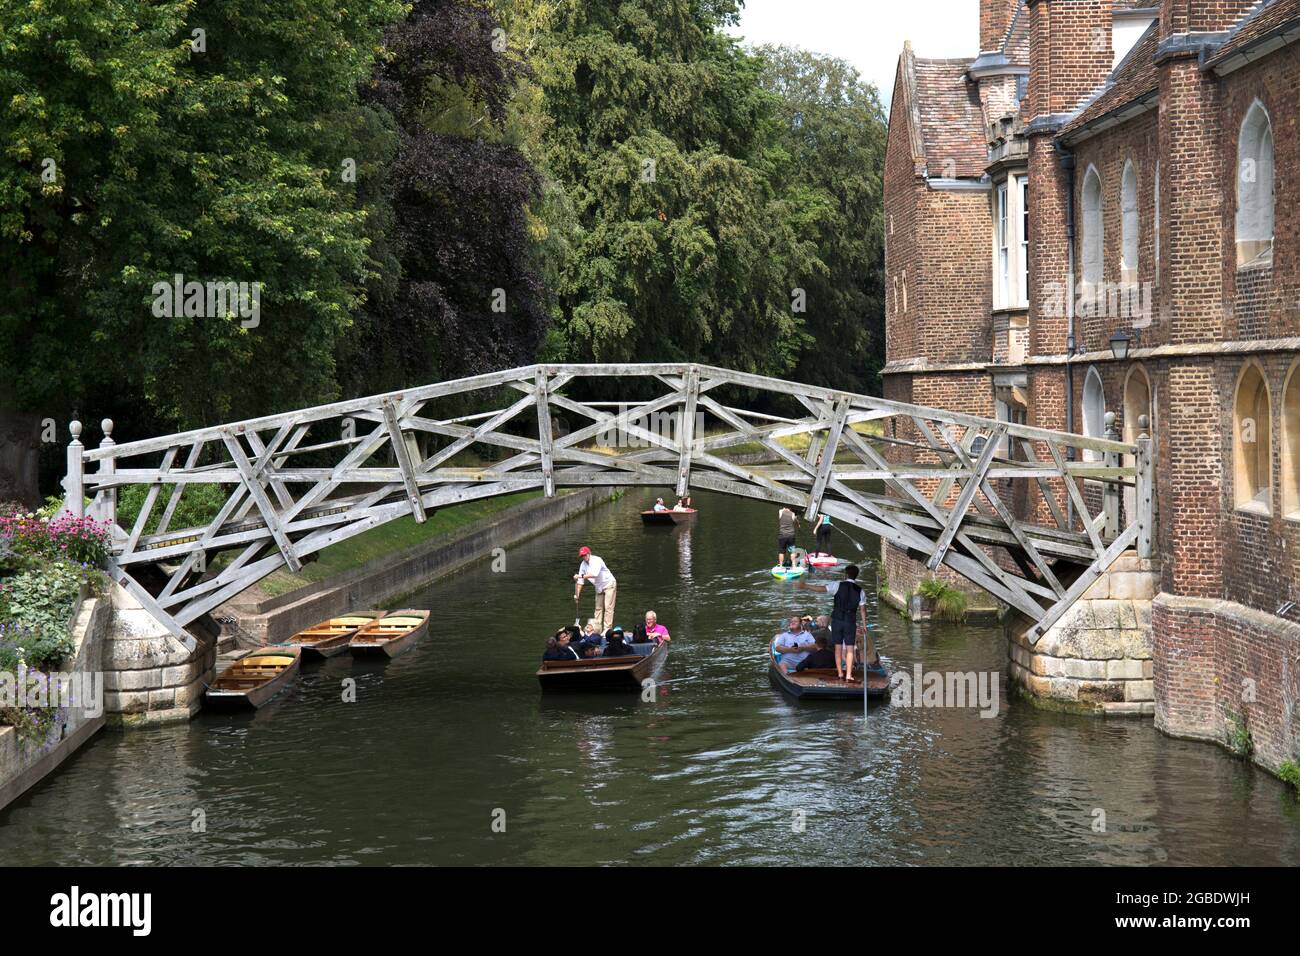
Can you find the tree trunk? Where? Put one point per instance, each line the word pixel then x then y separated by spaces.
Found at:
pixel 20 442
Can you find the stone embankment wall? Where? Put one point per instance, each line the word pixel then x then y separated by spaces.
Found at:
pixel 276 618
pixel 23 765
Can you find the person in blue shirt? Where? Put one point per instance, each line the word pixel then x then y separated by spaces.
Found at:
pixel 793 645
pixel 659 505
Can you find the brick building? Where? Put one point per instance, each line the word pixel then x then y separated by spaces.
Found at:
pixel 1108 177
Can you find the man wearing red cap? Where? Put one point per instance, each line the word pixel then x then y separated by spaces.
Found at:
pixel 597 572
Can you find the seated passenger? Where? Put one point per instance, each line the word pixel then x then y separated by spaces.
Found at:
pixel 615 645
pixel 793 645
pixel 654 631
pixel 822 657
pixel 559 647
pixel 679 506
pixel 659 505
pixel 590 650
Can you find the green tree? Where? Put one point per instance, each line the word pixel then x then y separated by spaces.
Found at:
pixel 674 243
pixel 210 139
pixel 833 130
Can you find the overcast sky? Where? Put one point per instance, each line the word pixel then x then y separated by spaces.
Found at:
pixel 867 33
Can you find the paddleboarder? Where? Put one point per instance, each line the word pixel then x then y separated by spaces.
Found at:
pixel 849 609
pixel 595 570
pixel 786 526
pixel 823 534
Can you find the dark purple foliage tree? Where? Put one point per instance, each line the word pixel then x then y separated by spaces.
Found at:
pixel 457 293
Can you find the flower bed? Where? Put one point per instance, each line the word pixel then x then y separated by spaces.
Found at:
pixel 44 564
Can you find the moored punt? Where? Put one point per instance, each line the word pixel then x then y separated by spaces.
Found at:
pixel 332 636
pixel 390 635
pixel 820 683
pixel 667 517
pixel 603 673
pixel 253 679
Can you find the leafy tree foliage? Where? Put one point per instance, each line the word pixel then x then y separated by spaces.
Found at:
pixel 215 155
pixel 696 222
pixel 833 129
pixel 466 297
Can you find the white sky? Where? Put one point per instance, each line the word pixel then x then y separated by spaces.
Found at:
pixel 867 33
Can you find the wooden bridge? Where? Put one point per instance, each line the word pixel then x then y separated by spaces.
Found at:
pixel 1004 505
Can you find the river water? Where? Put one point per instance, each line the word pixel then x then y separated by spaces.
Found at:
pixel 451 755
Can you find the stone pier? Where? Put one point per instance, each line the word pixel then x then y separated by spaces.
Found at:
pixel 150 676
pixel 1098 657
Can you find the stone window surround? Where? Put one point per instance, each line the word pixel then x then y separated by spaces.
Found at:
pixel 1252 496
pixel 1009 181
pixel 1256 198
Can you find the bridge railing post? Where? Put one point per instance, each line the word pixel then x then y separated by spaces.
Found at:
pixel 1111 491
pixel 74 484
pixel 106 498
pixel 1145 492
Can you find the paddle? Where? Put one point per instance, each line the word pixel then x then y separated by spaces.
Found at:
pixel 847 535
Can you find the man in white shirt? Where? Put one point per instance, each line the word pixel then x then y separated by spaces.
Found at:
pixel 596 571
pixel 794 645
pixel 848 615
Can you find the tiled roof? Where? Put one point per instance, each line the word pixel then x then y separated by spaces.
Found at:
pixel 952 123
pixel 1015 46
pixel 1133 79
pixel 1267 17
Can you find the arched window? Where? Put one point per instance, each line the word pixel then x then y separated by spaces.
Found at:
pixel 1255 188
pixel 1137 403
pixel 1252 442
pixel 1129 205
pixel 1291 446
pixel 1094 412
pixel 1092 226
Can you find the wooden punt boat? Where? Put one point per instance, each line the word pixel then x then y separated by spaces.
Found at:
pixel 330 637
pixel 603 673
pixel 253 679
pixel 666 517
pixel 390 635
pixel 820 683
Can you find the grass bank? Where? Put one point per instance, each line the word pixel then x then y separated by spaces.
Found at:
pixel 390 538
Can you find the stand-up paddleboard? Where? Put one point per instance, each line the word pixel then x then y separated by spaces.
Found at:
pixel 783 573
pixel 823 560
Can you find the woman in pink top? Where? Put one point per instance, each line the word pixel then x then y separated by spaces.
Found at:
pixel 654 630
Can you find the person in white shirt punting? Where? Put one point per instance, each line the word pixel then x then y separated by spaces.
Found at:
pixel 596 571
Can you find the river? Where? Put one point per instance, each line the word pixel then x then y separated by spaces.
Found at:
pixel 451 755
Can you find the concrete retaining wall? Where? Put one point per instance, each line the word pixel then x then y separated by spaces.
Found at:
pixel 23 766
pixel 276 618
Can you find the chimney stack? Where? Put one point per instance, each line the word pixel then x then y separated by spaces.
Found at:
pixel 995 21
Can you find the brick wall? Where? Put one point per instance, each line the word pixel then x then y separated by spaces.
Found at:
pixel 951 285
pixel 1263 303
